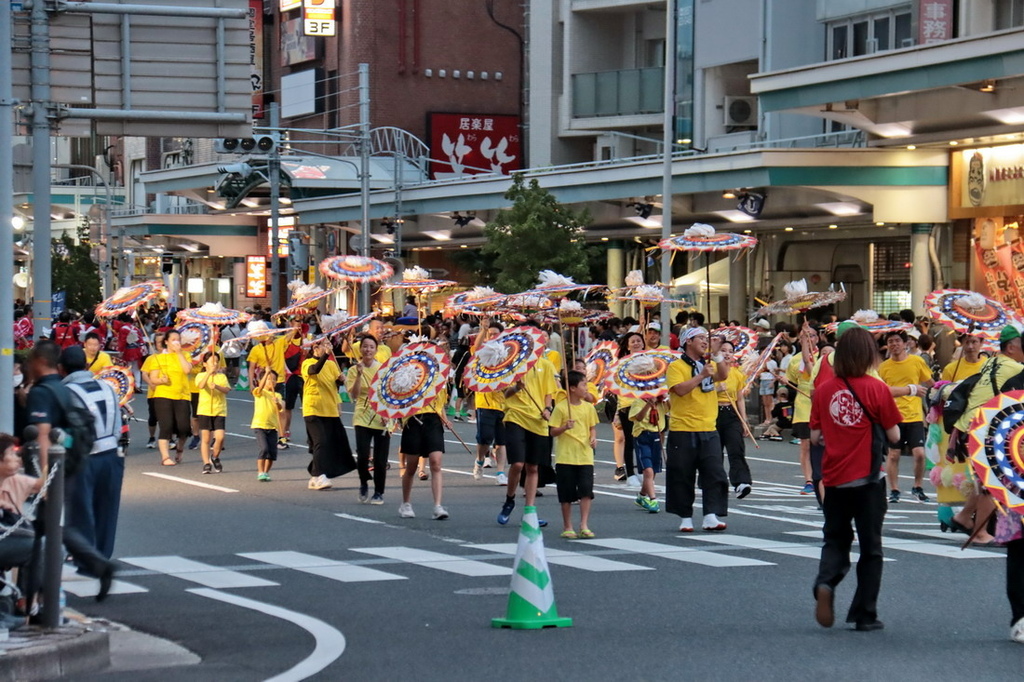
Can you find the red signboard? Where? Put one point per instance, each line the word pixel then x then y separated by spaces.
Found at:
pixel 934 21
pixel 470 144
pixel 256 276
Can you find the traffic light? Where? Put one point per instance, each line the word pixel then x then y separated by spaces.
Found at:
pixel 257 144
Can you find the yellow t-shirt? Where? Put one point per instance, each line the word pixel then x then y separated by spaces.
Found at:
pixel 383 352
pixel 212 403
pixel 265 409
pixel 731 387
pixel 524 408
pixel 363 414
pixel 197 368
pixel 168 365
pixel 573 446
pixel 910 370
pixel 320 391
pixel 435 406
pixel 490 400
pixel 640 425
pixel 148 365
pixel 697 410
pixel 555 358
pixel 958 371
pixel 270 355
pixel 101 362
pixel 803 382
pixel 1006 369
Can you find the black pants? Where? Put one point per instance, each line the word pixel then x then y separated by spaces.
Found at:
pixel 863 507
pixel 688 453
pixel 628 456
pixel 1015 579
pixel 380 439
pixel 730 430
pixel 175 418
pixel 328 447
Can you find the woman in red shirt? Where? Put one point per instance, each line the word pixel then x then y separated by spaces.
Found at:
pixel 844 411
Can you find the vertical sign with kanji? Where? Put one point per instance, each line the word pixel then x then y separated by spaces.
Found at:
pixel 256 56
pixel 934 21
pixel 256 276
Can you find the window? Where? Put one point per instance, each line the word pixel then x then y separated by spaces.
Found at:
pixel 1009 14
pixel 891 275
pixel 867 34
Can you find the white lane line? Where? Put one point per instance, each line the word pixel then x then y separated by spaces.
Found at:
pixel 291 444
pixel 689 555
pixel 197 484
pixel 82 586
pixel 330 643
pixel 560 557
pixel 932 548
pixel 352 517
pixel 788 548
pixel 325 568
pixel 197 572
pixel 441 562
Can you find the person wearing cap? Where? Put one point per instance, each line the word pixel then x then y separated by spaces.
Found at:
pixel 693 442
pixel 652 337
pixel 909 378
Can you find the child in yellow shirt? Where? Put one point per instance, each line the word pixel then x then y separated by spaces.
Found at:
pixel 648 420
pixel 575 440
pixel 265 422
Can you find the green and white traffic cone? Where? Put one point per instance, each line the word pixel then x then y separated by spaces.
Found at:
pixel 243 377
pixel 531 603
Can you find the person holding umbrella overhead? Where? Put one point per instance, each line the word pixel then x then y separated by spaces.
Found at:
pixel 328 442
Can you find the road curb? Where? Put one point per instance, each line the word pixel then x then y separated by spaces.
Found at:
pixel 52 654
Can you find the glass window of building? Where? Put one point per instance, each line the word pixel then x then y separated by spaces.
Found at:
pixel 1009 14
pixel 869 33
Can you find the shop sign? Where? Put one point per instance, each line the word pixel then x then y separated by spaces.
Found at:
pixel 935 21
pixel 992 176
pixel 289 4
pixel 256 56
pixel 999 254
pixel 318 18
pixel 470 144
pixel 256 276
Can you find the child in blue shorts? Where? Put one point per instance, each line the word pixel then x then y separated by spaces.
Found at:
pixel 648 418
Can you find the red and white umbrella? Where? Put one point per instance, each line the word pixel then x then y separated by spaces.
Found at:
pixel 127 299
pixel 969 312
pixel 640 375
pixel 409 380
pixel 355 269
pixel 504 360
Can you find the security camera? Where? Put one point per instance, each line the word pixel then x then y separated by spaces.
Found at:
pixel 242 169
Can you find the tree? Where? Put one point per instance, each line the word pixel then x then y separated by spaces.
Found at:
pixel 536 233
pixel 75 273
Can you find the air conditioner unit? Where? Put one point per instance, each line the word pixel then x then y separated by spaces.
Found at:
pixel 740 111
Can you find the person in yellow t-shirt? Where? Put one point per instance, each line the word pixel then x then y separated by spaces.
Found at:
pixel 172 399
pixel 693 442
pixel 374 328
pixel 631 342
pixel 800 380
pixel 648 419
pixel 148 365
pixel 732 415
pixel 528 407
pixel 266 423
pixel 490 413
pixel 909 379
pixel 573 426
pixel 96 359
pixel 370 430
pixel 423 438
pixel 328 442
pixel 969 363
pixel 212 411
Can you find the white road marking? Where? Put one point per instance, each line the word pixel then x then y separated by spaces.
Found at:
pixel 441 562
pixel 930 548
pixel 789 548
pixel 178 479
pixel 325 568
pixel 560 557
pixel 330 643
pixel 352 517
pixel 196 572
pixel 82 586
pixel 692 556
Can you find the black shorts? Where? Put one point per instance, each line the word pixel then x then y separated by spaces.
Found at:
pixel 911 436
pixel 195 404
pixel 802 430
pixel 292 391
pixel 490 427
pixel 574 482
pixel 266 444
pixel 522 446
pixel 208 423
pixel 174 417
pixel 422 435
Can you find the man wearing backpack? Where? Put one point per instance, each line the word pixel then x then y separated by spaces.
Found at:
pixel 49 404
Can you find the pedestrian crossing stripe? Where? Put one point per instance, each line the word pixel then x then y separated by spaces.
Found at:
pixel 560 557
pixel 199 573
pixel 919 547
pixel 325 568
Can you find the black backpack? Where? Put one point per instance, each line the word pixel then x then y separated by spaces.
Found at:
pixel 956 404
pixel 80 427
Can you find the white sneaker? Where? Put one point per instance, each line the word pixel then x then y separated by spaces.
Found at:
pixel 405 511
pixel 312 483
pixel 320 483
pixel 1017 631
pixel 488 462
pixel 686 525
pixel 633 481
pixel 440 513
pixel 711 522
pixel 477 468
pixel 742 490
pixel 502 478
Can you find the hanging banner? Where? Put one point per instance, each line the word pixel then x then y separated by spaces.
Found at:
pixel 935 21
pixel 256 56
pixel 995 263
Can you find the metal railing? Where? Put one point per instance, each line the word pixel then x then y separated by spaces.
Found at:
pixel 623 92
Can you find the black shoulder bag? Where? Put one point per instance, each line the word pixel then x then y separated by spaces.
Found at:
pixel 879 441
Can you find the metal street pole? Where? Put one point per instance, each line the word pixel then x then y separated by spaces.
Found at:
pixel 105 239
pixel 6 226
pixel 42 314
pixel 274 171
pixel 668 139
pixel 364 176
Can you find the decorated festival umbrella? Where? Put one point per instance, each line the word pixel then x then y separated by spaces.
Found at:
pixel 996 448
pixel 743 340
pixel 753 364
pixel 476 301
pixel 213 313
pixel 799 300
pixel 599 359
pixel 409 380
pixel 305 299
pixel 418 280
pixel 196 338
pixel 504 360
pixel 574 317
pixel 341 323
pixel 128 299
pixel 121 379
pixel 640 375
pixel 872 322
pixel 554 285
pixel 969 312
pixel 257 330
pixel 702 238
pixel 355 269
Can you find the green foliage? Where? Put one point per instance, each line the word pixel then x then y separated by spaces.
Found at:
pixel 75 273
pixel 536 233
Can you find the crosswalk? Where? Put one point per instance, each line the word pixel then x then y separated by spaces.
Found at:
pixel 597 555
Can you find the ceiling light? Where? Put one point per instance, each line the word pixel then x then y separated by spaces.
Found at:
pixel 953 143
pixel 463 246
pixel 684 140
pixel 604 239
pixel 911 147
pixel 285 200
pixel 841 208
pixel 747 231
pixel 788 229
pixel 880 223
pixel 439 235
pixel 833 227
pixel 729 194
pixel 734 216
pixel 988 86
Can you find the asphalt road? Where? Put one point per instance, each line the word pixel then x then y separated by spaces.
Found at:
pixel 272 580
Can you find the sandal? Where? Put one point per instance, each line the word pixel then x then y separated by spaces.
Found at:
pixel 424 475
pixel 569 534
pixel 168 462
pixel 586 533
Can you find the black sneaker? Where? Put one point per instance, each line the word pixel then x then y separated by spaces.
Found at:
pixel 918 492
pixel 217 466
pixel 207 468
pixel 620 474
pixel 282 444
pixel 151 443
pixel 894 496
pixel 506 510
pixel 194 443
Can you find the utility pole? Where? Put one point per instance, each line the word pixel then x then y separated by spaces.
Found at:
pixel 364 176
pixel 274 171
pixel 668 140
pixel 6 216
pixel 42 314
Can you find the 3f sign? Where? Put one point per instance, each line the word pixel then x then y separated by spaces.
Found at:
pixel 316 27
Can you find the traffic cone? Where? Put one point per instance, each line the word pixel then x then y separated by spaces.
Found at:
pixel 531 603
pixel 243 377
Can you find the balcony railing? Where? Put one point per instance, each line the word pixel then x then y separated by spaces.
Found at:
pixel 626 92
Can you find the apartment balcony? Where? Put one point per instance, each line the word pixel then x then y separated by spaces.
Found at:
pixel 632 95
